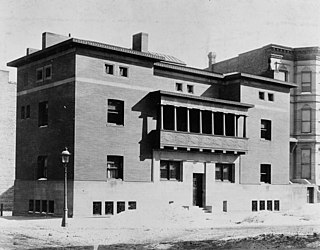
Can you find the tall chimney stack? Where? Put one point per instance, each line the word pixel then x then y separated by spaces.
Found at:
pixel 212 59
pixel 140 42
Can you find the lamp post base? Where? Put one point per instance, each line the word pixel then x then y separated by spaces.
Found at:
pixel 64 218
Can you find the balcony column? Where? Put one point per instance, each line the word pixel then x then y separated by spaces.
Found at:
pixel 224 124
pixel 188 120
pixel 235 126
pixel 175 118
pixel 161 117
pixel 200 120
pixel 212 122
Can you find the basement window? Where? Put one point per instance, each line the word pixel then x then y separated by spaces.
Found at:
pixel 44 206
pixel 96 209
pixel 276 205
pixel 115 112
pixel 170 170
pixel 132 205
pixel 37 206
pixel 269 205
pixel 121 206
pixel 114 167
pixel 109 69
pixel 262 205
pixel 254 206
pixel 31 206
pixel 224 172
pixel 109 207
pixel 51 207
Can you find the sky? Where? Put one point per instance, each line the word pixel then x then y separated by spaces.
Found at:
pixel 186 29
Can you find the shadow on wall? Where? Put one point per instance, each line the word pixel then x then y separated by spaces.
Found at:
pixel 147 107
pixel 6 198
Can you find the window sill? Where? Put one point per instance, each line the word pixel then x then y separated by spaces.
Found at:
pixel 43 126
pixel 266 140
pixel 42 179
pixel 114 125
pixel 173 180
pixel 225 181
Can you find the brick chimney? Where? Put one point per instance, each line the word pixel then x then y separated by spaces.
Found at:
pixel 140 42
pixel 50 39
pixel 212 59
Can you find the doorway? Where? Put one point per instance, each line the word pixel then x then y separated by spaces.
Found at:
pixel 198 190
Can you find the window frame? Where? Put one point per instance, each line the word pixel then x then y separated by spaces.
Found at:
pixel 115 164
pixel 307 121
pixel 271 97
pixel 42 75
pixel 109 66
pixel 123 71
pixel 45 72
pixel 42 167
pixel 23 112
pixel 261 95
pixel 286 74
pixel 99 210
pixel 190 89
pixel 43 114
pixel 265 129
pixel 265 176
pixel 308 84
pixel 306 164
pixel 179 87
pixel 170 170
pixel 220 168
pixel 115 116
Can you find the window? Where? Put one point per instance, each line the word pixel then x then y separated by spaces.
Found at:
pixel 108 207
pixel 269 205
pixel 262 205
pixel 43 114
pixel 224 172
pixel 51 207
pixel 25 79
pixel 121 206
pixel 31 204
pixel 42 167
pixel 190 89
pixel 96 209
pixel 266 130
pixel 47 72
pixel 254 206
pixel 23 112
pixel 170 170
pixel 37 206
pixel 115 167
pixel 179 87
pixel 115 112
pixel 283 75
pixel 265 173
pixel 132 205
pixel 39 74
pixel 225 206
pixel 270 97
pixel 44 206
pixel 306 119
pixel 109 69
pixel 306 81
pixel 276 205
pixel 28 111
pixel 123 71
pixel 306 163
pixel 261 95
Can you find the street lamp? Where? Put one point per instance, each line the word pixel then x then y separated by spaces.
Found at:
pixel 65 160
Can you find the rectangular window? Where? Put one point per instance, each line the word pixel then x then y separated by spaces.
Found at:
pixel 42 167
pixel 31 206
pixel 170 170
pixel 28 111
pixel 43 114
pixel 23 112
pixel 224 172
pixel 108 207
pixel 179 87
pixel 37 206
pixel 276 205
pixel 123 71
pixel 25 79
pixel 96 208
pixel 306 163
pixel 265 173
pixel 266 130
pixel 190 89
pixel 261 95
pixel 39 74
pixel 132 205
pixel 306 120
pixel 269 205
pixel 306 81
pixel 51 207
pixel 115 112
pixel 283 75
pixel 262 205
pixel 121 206
pixel 225 206
pixel 270 97
pixel 254 206
pixel 44 206
pixel 47 72
pixel 114 167
pixel 109 69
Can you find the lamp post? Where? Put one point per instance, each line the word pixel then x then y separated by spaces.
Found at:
pixel 65 160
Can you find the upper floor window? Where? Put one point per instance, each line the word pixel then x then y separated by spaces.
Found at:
pixel 39 74
pixel 42 167
pixel 43 114
pixel 109 69
pixel 284 75
pixel 265 173
pixel 270 97
pixel 224 172
pixel 266 130
pixel 123 71
pixel 306 119
pixel 306 163
pixel 190 89
pixel 48 72
pixel 23 112
pixel 306 81
pixel 179 87
pixel 115 166
pixel 170 170
pixel 261 95
pixel 115 112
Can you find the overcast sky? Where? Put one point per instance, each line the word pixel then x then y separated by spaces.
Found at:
pixel 186 29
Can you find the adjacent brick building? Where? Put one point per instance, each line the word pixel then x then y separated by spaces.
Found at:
pixel 145 130
pixel 300 66
pixel 7 139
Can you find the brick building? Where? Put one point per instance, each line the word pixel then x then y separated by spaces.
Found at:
pixel 300 66
pixel 146 130
pixel 7 139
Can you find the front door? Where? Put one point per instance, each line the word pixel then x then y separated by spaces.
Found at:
pixel 197 189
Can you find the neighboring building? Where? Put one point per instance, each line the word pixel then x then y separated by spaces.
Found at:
pixel 145 130
pixel 7 139
pixel 300 66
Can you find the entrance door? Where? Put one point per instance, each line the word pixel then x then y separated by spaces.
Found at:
pixel 197 190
